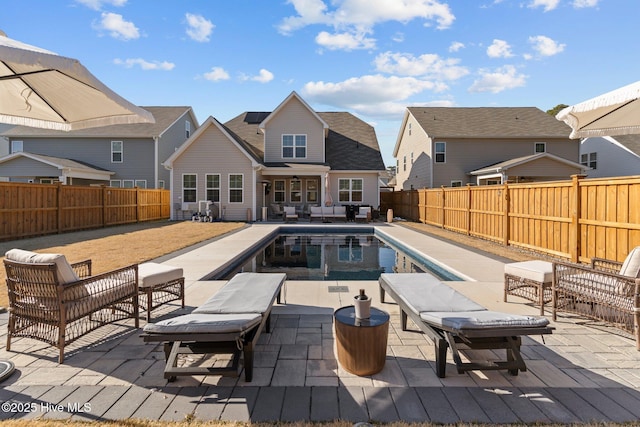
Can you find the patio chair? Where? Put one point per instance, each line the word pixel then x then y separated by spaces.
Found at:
pixel 276 210
pixel 290 213
pixel 606 291
pixel 56 302
pixel 454 321
pixel 364 214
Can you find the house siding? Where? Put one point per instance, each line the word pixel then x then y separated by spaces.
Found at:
pixel 19 165
pixel 294 118
pixel 171 139
pixel 213 153
pixel 370 190
pixel 417 174
pixel 612 159
pixel 541 168
pixel 464 156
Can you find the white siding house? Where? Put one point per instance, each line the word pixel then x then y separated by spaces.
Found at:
pixel 607 156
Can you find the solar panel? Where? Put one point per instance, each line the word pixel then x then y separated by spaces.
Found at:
pixel 254 117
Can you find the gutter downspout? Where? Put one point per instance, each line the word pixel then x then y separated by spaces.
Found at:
pixel 155 161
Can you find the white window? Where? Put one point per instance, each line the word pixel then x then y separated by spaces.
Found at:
pixel 17 146
pixel 540 147
pixel 456 183
pixel 128 183
pixel 294 146
pixel 189 190
pixel 350 190
pixel 161 184
pixel 141 183
pixel 404 163
pixel 115 183
pixel 295 190
pixel 312 190
pixel 187 128
pixel 236 188
pixel 213 187
pixel 590 160
pixel 117 152
pixel 440 152
pixel 278 191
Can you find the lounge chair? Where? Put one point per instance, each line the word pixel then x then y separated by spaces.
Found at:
pixel 316 213
pixel 364 214
pixel 290 213
pixel 230 322
pixel 56 302
pixel 606 291
pixel 451 320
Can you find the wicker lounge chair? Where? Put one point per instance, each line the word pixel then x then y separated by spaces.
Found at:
pixel 290 213
pixel 56 302
pixel 606 291
pixel 454 321
pixel 230 322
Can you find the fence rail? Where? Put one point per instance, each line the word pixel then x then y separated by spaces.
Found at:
pixel 29 210
pixel 576 220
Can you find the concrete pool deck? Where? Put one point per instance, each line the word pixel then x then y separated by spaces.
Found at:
pixel 579 373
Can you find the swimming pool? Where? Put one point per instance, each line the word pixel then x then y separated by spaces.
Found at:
pixel 345 254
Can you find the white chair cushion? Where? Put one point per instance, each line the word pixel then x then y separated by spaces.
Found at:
pixel 152 274
pixel 65 272
pixel 631 265
pixel 327 210
pixel 205 324
pixel 538 271
pixel 339 210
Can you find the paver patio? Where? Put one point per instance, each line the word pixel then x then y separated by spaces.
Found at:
pixel 579 373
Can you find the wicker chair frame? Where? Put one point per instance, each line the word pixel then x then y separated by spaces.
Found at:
pixel 598 292
pixel 42 308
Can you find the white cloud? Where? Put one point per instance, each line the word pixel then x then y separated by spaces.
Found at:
pixel 117 27
pixel 97 4
pixel 427 65
pixel 547 5
pixel 144 64
pixel 372 95
pixel 499 49
pixel 579 4
pixel 199 28
pixel 359 17
pixel 456 46
pixel 216 74
pixel 264 76
pixel 546 46
pixel 498 80
pixel 344 41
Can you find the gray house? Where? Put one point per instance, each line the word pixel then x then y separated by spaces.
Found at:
pixel 292 156
pixel 126 156
pixel 440 146
pixel 608 156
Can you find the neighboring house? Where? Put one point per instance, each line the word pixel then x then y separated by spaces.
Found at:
pixel 611 155
pixel 293 156
pixel 440 146
pixel 126 156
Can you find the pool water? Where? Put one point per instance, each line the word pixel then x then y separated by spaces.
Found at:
pixel 330 257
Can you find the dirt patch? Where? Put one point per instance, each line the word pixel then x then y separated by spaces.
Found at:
pixel 119 246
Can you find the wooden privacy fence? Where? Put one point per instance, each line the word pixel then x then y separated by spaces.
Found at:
pixel 28 210
pixel 577 219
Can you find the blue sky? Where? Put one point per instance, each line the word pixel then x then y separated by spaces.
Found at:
pixel 370 57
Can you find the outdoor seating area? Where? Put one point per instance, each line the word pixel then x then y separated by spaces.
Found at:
pixel 56 302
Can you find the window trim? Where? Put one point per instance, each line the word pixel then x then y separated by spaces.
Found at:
pixel 591 158
pixel 229 189
pixel 294 147
pixel 13 146
pixel 194 188
pixel 121 152
pixel 350 191
pixel 140 183
pixel 276 191
pixel 456 183
pixel 297 199
pixel 535 147
pixel 436 152
pixel 117 182
pixel 130 182
pixel 311 188
pixel 187 128
pixel 207 188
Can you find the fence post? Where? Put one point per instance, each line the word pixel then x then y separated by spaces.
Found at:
pixel 104 205
pixel 60 211
pixel 506 228
pixel 574 226
pixel 468 209
pixel 138 206
pixel 442 199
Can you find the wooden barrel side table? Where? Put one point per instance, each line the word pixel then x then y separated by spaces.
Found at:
pixel 361 343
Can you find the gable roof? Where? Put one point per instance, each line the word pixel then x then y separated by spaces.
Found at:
pixel 511 163
pixel 292 95
pixel 489 122
pixel 630 142
pixel 75 167
pixel 211 121
pixel 164 116
pixel 350 144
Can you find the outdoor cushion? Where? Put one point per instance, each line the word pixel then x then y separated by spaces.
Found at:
pixel 482 319
pixel 631 265
pixel 152 274
pixel 65 272
pixel 327 210
pixel 205 323
pixel 538 271
pixel 339 211
pixel 245 293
